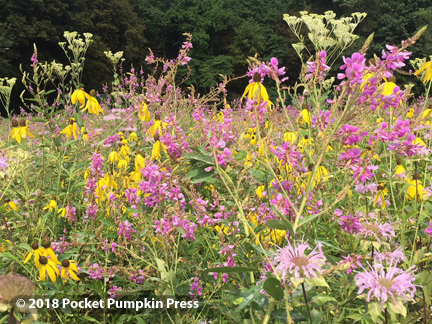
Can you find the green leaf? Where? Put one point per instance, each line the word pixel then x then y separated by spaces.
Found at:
pixel 273 287
pixel 318 282
pixel 322 299
pixel 199 157
pixel 374 310
pixel 397 307
pixel 9 255
pixel 231 269
pixel 280 225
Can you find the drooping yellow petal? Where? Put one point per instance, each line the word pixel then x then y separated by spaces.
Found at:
pixel 78 95
pixel 73 275
pixel 139 162
pixel 51 272
pixel 156 154
pixel 42 272
pixel 428 67
pixel 28 257
pixel 247 90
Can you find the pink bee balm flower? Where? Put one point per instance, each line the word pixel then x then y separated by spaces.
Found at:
pixel 292 260
pixel 384 283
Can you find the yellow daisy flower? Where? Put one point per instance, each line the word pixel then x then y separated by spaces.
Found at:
pixel 37 252
pixel 69 270
pixel 93 105
pixel 256 91
pixel 157 127
pixel 156 151
pixel 20 130
pixel 71 129
pixel 47 266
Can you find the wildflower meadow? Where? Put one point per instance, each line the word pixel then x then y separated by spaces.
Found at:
pixel 149 202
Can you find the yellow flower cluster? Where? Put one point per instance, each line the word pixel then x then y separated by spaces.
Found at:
pixel 47 262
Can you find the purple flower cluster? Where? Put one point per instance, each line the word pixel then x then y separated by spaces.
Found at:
pixel 354 68
pixel 125 229
pixel 349 224
pixel 317 68
pixel 195 288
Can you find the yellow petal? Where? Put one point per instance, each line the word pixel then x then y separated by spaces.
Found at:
pixel 51 273
pixel 28 257
pixel 42 272
pixel 247 90
pixel 73 275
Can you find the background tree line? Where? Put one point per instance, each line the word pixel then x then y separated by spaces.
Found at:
pixel 224 32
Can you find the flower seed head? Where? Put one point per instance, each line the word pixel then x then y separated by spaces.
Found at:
pixel 35 246
pixel 65 263
pixel 46 243
pixel 22 122
pixel 257 77
pixel 92 92
pixel 15 123
pixel 43 260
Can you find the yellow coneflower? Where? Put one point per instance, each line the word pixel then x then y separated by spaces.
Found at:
pixel 143 113
pixel 52 205
pixel 381 194
pixel 62 212
pixel 133 137
pixel 69 270
pixel 415 188
pixel 10 205
pixel 93 105
pixel 426 113
pixel 79 95
pixel 410 113
pixel 305 116
pixel 259 191
pixel 47 266
pixel 156 151
pixel 157 127
pixel 4 247
pixel 84 134
pixel 20 130
pixel 113 157
pixel 48 251
pixel 71 129
pixel 428 67
pixel 256 91
pixel 37 252
pixel 290 137
pixel 125 150
pixel 220 117
pixel 139 162
pixel 253 140
pixel 122 164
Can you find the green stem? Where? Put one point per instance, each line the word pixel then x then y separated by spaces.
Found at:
pixel 270 308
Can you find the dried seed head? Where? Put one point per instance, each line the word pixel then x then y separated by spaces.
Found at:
pixel 416 176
